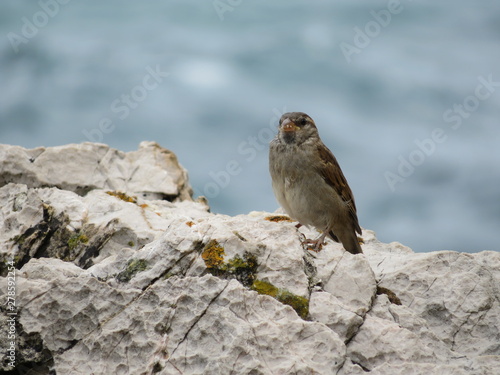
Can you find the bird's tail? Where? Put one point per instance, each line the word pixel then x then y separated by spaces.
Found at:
pixel 351 244
pixel 333 236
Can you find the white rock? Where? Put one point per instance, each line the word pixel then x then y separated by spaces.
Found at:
pixel 347 277
pixel 46 217
pixel 326 308
pixel 87 166
pixel 151 284
pixel 210 326
pixel 455 294
pixel 379 341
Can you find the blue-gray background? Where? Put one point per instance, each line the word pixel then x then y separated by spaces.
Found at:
pixel 230 75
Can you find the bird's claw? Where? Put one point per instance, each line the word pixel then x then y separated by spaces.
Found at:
pixel 317 245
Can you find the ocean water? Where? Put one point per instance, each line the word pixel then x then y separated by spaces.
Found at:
pixel 406 94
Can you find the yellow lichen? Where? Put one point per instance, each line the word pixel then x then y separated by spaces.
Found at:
pixel 213 254
pixel 189 223
pixel 278 218
pixel 122 196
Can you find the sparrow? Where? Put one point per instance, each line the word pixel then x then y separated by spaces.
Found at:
pixel 309 184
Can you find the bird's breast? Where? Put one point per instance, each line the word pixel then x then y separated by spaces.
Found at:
pixel 300 189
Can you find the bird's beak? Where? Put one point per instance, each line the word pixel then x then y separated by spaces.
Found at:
pixel 288 126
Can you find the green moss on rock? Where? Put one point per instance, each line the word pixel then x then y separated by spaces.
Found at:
pixel 134 266
pixel 242 269
pixel 77 239
pixel 298 303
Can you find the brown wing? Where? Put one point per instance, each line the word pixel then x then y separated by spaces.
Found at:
pixel 331 172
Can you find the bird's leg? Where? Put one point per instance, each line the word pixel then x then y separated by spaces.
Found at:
pixel 317 243
pixel 320 241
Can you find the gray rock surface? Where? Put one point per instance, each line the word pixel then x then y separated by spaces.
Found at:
pixel 151 170
pixel 121 272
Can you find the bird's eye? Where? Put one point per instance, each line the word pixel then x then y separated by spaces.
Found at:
pixel 302 122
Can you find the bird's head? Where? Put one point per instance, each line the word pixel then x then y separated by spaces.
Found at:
pixel 297 127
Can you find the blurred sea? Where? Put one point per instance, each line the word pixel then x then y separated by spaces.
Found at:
pixel 223 71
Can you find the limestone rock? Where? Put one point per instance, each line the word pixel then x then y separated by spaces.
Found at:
pixel 120 272
pixel 150 171
pixel 196 325
pixel 457 294
pixel 49 222
pixel 326 308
